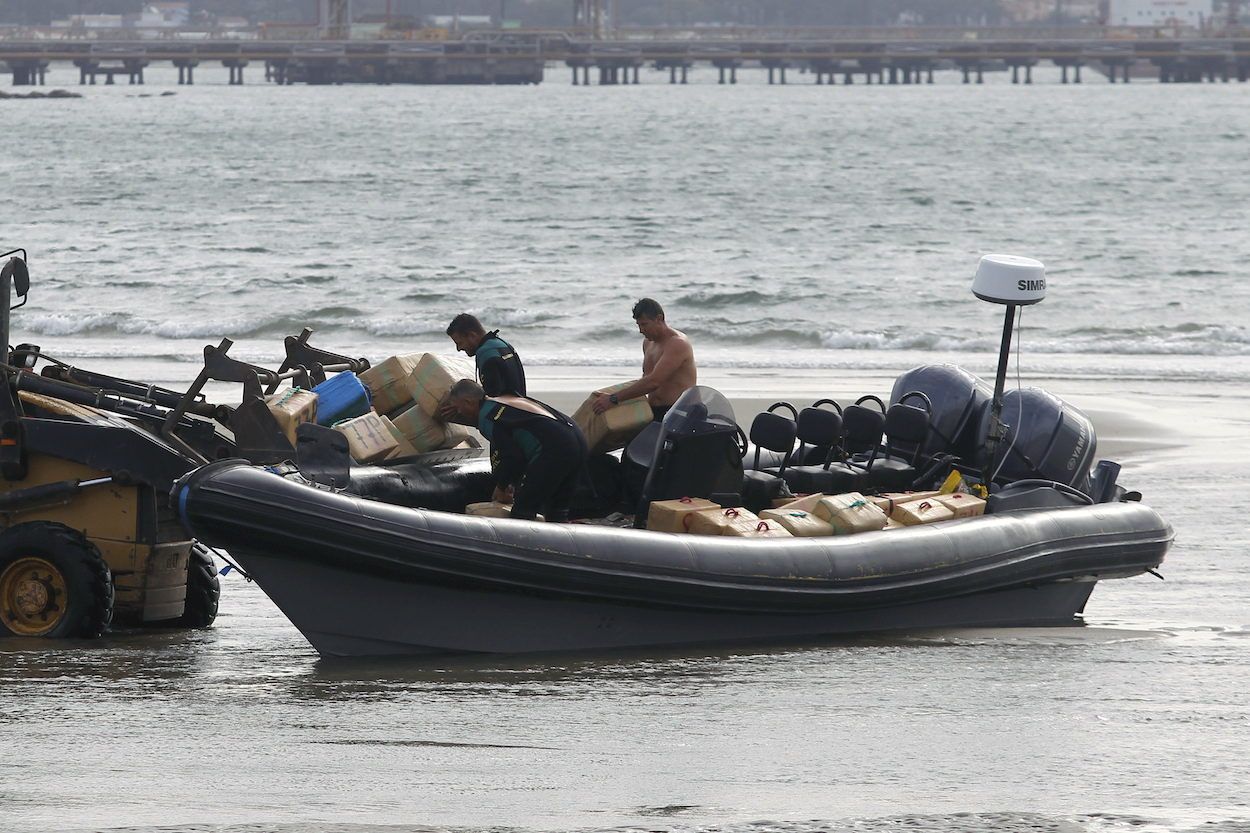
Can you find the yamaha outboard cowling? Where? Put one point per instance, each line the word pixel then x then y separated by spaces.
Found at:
pixel 958 399
pixel 1046 439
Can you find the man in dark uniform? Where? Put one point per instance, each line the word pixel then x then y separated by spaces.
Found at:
pixel 534 448
pixel 499 368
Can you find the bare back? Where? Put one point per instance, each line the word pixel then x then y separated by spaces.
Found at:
pixel 673 362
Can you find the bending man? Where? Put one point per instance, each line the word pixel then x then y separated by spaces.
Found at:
pixel 535 449
pixel 499 368
pixel 668 368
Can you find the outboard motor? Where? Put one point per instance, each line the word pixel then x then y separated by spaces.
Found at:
pixel 1046 439
pixel 694 452
pixel 958 399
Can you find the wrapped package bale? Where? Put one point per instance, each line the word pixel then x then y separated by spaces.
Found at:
pixel 760 529
pixel 490 509
pixel 431 380
pixel 616 426
pixel 849 513
pixel 889 500
pixel 388 382
pixel 798 523
pixel 803 504
pixel 403 448
pixel 427 433
pixel 667 515
pixel 893 524
pixel 292 408
pixel 715 521
pixel 926 511
pixel 369 438
pixel 963 504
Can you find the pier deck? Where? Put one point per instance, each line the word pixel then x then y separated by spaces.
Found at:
pixel 523 58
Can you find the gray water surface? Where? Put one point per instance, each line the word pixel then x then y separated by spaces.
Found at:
pixel 829 229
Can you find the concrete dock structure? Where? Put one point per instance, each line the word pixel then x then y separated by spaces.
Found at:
pixel 523 58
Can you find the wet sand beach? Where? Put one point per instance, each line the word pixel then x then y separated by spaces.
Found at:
pixel 242 728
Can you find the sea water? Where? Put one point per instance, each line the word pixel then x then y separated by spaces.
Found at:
pixel 811 241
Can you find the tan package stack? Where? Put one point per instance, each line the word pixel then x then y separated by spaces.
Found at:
pixel 403 448
pixel 292 408
pixel 760 529
pixel 668 515
pixel 889 500
pixel 803 504
pixel 616 426
pixel 369 437
pixel 798 523
pixel 388 382
pixel 962 504
pixel 426 433
pixel 715 521
pixel 431 380
pixel 927 511
pixel 490 509
pixel 850 513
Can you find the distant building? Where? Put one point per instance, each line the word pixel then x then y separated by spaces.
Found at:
pixel 90 22
pixel 1045 11
pixel 1188 13
pixel 458 22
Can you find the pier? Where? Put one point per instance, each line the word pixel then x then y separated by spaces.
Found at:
pixel 509 57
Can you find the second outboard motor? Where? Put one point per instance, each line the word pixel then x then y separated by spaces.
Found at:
pixel 694 452
pixel 1047 439
pixel 958 399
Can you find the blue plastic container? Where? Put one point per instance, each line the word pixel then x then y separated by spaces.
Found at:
pixel 342 396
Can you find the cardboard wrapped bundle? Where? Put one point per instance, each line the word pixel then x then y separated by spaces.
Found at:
pixel 403 448
pixel 431 380
pixel 927 511
pixel 388 382
pixel 716 521
pixel 668 515
pixel 616 426
pixel 292 408
pixel 797 522
pixel 889 500
pixel 807 503
pixel 369 438
pixel 490 509
pixel 760 529
pixel 850 513
pixel 426 433
pixel 963 504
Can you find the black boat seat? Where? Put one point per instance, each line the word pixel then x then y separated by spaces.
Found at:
pixel 862 426
pixel 906 430
pixel 862 429
pixel 821 431
pixel 776 433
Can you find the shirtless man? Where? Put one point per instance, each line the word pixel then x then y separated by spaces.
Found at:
pixel 668 368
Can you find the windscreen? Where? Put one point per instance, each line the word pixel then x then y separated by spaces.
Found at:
pixel 697 410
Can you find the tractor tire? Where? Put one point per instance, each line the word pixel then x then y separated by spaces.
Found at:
pixel 203 590
pixel 53 583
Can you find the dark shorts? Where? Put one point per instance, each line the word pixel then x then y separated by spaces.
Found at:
pixel 658 412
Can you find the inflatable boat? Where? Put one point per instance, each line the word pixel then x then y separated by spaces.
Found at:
pixel 377 560
pixel 385 565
